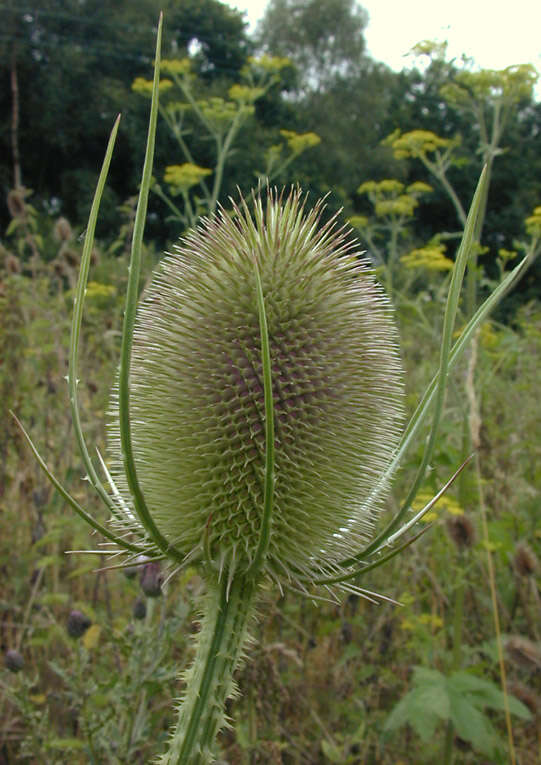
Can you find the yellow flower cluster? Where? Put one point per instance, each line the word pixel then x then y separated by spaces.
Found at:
pixel 419 187
pixel 271 64
pixel 97 290
pixel 178 66
pixel 391 198
pixel 299 142
pixel 140 85
pixel 402 206
pixel 244 94
pixel 182 177
pixel 218 112
pixel 432 621
pixel 506 255
pixel 417 143
pixel 533 223
pixel 446 503
pixel 387 186
pixel 510 84
pixel 488 335
pixel 430 257
pixel 358 221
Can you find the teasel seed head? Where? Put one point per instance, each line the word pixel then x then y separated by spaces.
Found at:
pixel 16 202
pixel 197 392
pixel 525 560
pixel 62 230
pixel 523 652
pixel 461 530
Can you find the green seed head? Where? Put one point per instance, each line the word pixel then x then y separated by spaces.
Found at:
pixel 197 395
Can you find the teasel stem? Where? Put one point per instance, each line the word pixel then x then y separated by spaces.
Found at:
pixel 210 678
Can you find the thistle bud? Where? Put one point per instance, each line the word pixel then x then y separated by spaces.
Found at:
pixel 77 624
pixel 13 660
pixel 197 393
pixel 151 580
pixel 139 609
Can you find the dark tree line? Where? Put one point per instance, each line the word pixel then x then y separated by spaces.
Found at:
pixel 67 67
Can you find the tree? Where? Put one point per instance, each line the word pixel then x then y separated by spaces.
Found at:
pixel 215 33
pixel 323 38
pixel 75 61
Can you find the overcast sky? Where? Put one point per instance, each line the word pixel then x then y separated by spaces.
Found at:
pixel 495 34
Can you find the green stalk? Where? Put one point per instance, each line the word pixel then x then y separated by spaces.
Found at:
pixel 209 680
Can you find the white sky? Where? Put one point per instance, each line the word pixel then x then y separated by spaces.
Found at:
pixel 495 34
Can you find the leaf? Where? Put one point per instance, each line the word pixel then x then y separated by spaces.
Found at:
pixel 487 694
pixel 54 598
pixel 66 744
pixel 48 560
pixel 471 724
pixel 81 570
pixel 91 637
pixel 423 707
pixel 332 752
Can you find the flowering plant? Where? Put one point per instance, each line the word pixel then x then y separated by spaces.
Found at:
pixel 256 421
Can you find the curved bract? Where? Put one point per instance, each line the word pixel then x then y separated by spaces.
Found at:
pixel 197 393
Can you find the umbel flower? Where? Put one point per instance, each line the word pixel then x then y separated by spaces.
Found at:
pixel 197 391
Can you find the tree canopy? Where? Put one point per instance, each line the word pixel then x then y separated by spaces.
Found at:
pixel 68 66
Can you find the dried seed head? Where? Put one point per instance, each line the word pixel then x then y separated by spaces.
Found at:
pixel 13 264
pixel 77 624
pixel 70 255
pixel 59 267
pixel 197 395
pixel 525 561
pixel 16 202
pixel 525 653
pixel 461 530
pixel 62 231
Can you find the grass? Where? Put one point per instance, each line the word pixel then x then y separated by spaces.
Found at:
pixel 327 676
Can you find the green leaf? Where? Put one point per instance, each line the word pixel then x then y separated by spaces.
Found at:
pixel 332 752
pixel 424 706
pixel 54 598
pixel 48 560
pixel 471 724
pixel 486 693
pixel 66 744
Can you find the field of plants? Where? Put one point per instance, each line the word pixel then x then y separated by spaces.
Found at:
pixel 440 660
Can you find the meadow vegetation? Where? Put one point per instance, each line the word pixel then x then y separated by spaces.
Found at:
pixel 453 673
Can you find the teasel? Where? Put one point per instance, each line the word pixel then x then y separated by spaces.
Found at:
pixel 202 428
pixel 255 423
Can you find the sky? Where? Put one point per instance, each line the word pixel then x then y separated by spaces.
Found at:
pixel 494 34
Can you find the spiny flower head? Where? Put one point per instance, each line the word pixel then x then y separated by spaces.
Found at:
pixel 197 392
